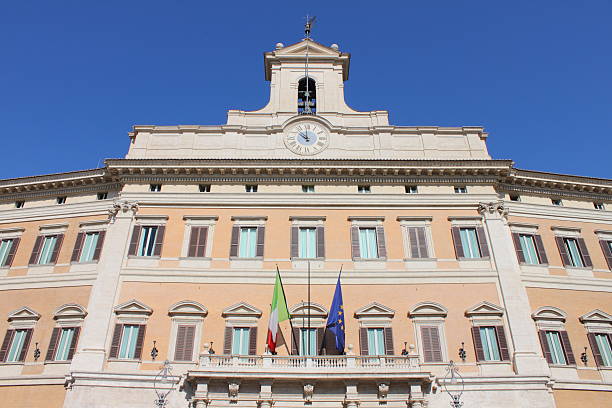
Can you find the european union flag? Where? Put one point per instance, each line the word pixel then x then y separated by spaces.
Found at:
pixel 335 321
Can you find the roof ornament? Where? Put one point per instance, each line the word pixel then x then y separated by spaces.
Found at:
pixel 308 26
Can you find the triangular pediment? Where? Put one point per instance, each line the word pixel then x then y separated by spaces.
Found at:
pixel 484 309
pixel 70 311
pixel 133 307
pixel 302 309
pixel 428 309
pixel 188 308
pixel 596 316
pixel 374 309
pixel 314 48
pixel 241 309
pixel 549 313
pixel 24 313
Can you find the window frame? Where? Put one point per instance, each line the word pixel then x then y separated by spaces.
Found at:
pixel 13 234
pixel 364 189
pixel 186 313
pixel 241 314
pixel 143 221
pixel 417 222
pixel 130 313
pixel 411 189
pixel 308 188
pixel 67 316
pixel 429 314
pixel 198 221
pixel 251 188
pixel 23 318
pixel 460 189
pixel 552 319
pixel 155 188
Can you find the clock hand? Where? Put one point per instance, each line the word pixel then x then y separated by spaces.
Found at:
pixel 305 137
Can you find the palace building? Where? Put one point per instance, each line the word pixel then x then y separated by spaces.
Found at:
pixel 171 253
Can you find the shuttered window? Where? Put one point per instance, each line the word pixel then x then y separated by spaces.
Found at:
pixel 15 345
pixel 307 243
pixel 146 243
pixel 606 247
pixel 601 348
pixel 490 346
pixel 129 340
pixel 529 250
pixel 308 342
pixel 574 252
pixel 469 242
pixel 185 337
pixel 89 246
pixel 571 245
pixel 430 339
pixel 417 242
pixel 66 340
pixel 376 342
pixel 8 248
pixel 248 242
pixel 368 246
pixel 197 242
pixel 553 340
pixel 240 340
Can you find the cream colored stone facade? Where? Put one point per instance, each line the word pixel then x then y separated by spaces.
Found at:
pixel 460 189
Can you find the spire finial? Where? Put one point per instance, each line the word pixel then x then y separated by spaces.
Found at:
pixel 308 26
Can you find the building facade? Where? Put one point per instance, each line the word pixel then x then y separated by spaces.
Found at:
pixel 171 254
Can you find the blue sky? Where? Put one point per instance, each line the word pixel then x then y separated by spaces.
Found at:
pixel 76 75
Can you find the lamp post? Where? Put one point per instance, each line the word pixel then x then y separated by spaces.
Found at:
pixel 454 378
pixel 163 384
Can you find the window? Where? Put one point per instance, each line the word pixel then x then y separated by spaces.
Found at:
pixel 197 242
pixel 19 204
pixel 417 242
pixel 573 252
pixel 185 337
pixel 363 189
pixel 411 189
pixel 308 189
pixel 460 190
pixel 129 339
pixel 146 244
pixel 90 244
pixel 155 188
pixel 368 245
pixel 61 200
pixel 514 197
pixel 490 347
pixel 599 206
pixel 602 342
pixel 46 249
pixel 557 202
pixel 204 188
pixel 308 342
pixel 102 195
pixel 553 341
pixel 469 241
pixel 251 188
pixel 376 342
pixel 18 342
pixel 307 243
pixel 529 249
pixel 7 252
pixel 430 339
pixel 248 242
pixel 307 96
pixel 62 352
pixel 240 340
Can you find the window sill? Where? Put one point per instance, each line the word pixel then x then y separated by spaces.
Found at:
pixel 40 265
pixel 482 258
pixel 246 263
pixel 308 259
pixel 144 257
pixel 195 258
pixel 12 363
pixel 493 362
pixel 56 362
pixel 369 259
pixel 124 360
pixel 83 263
pixel 579 271
pixel 237 258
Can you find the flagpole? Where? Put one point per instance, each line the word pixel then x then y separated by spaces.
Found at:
pixel 308 307
pixel 290 322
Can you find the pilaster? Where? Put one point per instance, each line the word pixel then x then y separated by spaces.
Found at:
pixel 526 358
pixel 91 352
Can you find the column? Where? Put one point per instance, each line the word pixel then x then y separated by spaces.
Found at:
pixel 526 357
pixel 91 351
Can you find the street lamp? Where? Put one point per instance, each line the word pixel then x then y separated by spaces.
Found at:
pixel 163 384
pixel 453 377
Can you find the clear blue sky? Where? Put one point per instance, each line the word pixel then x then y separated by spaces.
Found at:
pixel 76 75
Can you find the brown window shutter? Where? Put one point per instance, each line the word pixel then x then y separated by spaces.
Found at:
pixel 78 246
pixel 253 341
pixel 57 248
pixel 234 242
pixel 585 253
pixel 388 332
pixel 412 238
pixel 540 248
pixel 502 343
pixel 380 241
pixel 185 336
pixel 36 250
pixel 320 242
pixel 595 349
pixel 227 340
pixel 12 252
pixel 355 252
pixel 545 348
pixel 567 348
pixel 563 251
pixel 140 341
pixel 330 343
pixel 482 242
pixel 26 344
pixel 134 240
pixel 516 238
pixel 456 233
pixel 202 236
pixel 478 344
pixel 189 343
pixel 8 337
pixel 294 245
pixel 159 240
pixel 261 231
pixel 55 334
pixel 74 342
pixel 422 238
pixel 605 247
pixel 99 245
pixel 296 336
pixel 320 339
pixel 363 341
pixel 432 350
pixel 116 342
pixel 193 244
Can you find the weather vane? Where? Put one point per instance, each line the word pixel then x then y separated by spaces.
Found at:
pixel 308 26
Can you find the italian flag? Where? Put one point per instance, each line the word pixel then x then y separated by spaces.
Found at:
pixel 278 313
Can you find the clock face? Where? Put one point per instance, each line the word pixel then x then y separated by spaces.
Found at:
pixel 306 138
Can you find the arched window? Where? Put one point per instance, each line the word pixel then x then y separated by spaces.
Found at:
pixel 307 93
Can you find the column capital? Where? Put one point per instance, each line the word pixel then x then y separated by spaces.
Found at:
pixel 122 206
pixel 493 210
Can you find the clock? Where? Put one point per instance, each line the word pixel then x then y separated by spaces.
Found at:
pixel 306 138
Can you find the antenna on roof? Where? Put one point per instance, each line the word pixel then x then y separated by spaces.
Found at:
pixel 308 26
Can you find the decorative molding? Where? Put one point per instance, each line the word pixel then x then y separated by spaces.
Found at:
pixel 70 311
pixel 428 309
pixel 308 392
pixel 549 313
pixel 383 391
pixel 133 307
pixel 123 206
pixel 484 309
pixel 23 314
pixel 314 310
pixel 232 391
pixel 596 316
pixel 492 208
pixel 188 308
pixel 374 309
pixel 241 309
